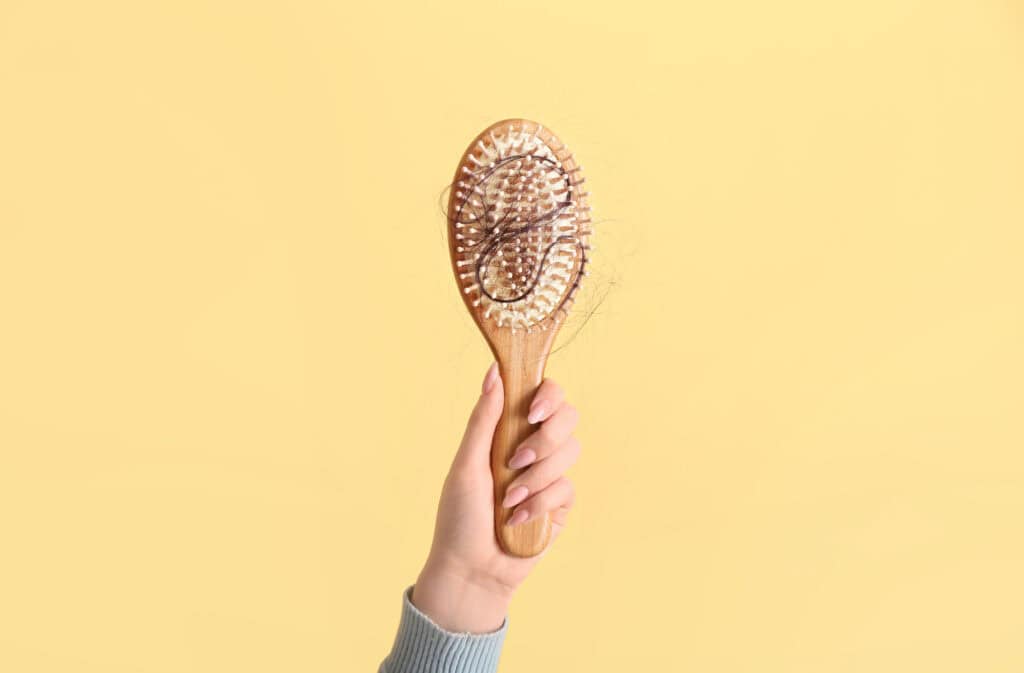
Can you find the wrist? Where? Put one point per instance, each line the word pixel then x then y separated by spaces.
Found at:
pixel 460 600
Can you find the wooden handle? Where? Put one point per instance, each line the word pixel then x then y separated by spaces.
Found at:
pixel 520 383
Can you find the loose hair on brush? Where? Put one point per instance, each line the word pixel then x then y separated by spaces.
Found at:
pixel 521 226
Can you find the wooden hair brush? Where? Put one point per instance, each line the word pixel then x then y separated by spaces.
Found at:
pixel 518 231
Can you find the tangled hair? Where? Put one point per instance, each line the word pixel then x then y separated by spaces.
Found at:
pixel 520 228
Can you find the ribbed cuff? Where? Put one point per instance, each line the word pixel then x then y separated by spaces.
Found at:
pixel 422 646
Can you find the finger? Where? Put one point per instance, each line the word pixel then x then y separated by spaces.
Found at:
pixel 547 439
pixel 546 400
pixel 559 519
pixel 557 495
pixel 560 516
pixel 542 474
pixel 475 449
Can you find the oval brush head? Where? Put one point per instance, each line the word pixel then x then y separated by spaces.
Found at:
pixel 518 232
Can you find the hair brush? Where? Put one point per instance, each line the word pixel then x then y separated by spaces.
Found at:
pixel 518 231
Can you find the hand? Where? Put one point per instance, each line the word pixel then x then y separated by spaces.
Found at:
pixel 467 582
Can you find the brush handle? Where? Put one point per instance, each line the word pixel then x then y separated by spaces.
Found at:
pixel 520 379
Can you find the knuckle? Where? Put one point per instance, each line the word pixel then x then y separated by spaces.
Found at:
pixel 531 482
pixel 570 414
pixel 550 383
pixel 531 478
pixel 547 436
pixel 540 482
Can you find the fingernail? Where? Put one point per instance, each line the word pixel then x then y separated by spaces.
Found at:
pixel 491 378
pixel 519 517
pixel 522 458
pixel 538 413
pixel 514 496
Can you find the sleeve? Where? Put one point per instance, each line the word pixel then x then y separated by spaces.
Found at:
pixel 421 646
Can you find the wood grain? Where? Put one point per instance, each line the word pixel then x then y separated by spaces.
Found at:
pixel 521 359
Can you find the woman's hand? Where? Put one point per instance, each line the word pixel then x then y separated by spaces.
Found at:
pixel 468 581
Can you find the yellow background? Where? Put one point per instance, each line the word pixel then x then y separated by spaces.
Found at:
pixel 234 365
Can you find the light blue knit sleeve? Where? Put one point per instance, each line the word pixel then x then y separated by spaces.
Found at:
pixel 422 646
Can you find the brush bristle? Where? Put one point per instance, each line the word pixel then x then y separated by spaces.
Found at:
pixel 520 226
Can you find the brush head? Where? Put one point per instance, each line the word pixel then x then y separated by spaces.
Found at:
pixel 518 227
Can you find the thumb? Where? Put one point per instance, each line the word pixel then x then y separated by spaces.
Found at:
pixel 475 450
